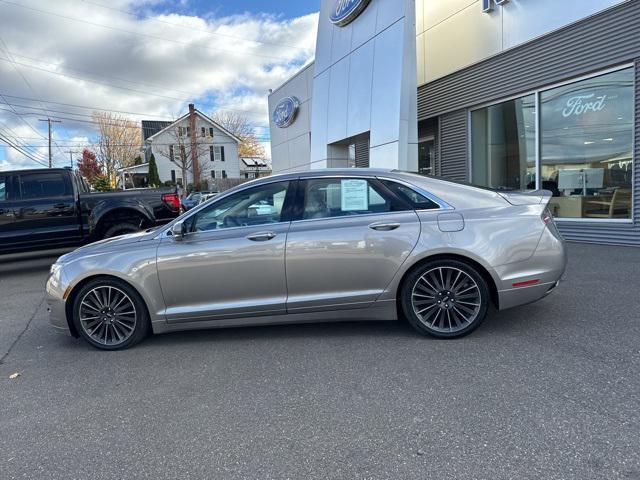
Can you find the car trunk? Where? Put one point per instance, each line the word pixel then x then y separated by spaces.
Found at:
pixel 529 197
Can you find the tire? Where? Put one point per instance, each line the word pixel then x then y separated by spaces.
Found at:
pixel 121 229
pixel 101 314
pixel 445 298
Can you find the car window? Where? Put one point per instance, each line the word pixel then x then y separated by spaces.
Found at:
pixel 409 195
pixel 338 197
pixel 43 185
pixel 259 205
pixel 4 189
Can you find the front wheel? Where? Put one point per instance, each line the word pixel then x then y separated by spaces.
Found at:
pixel 445 298
pixel 110 314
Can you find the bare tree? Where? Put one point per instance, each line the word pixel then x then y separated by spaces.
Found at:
pixel 180 150
pixel 241 128
pixel 119 143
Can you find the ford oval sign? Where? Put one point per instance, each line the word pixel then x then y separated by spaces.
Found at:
pixel 285 112
pixel 346 11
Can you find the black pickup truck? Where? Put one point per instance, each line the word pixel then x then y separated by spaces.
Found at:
pixel 54 208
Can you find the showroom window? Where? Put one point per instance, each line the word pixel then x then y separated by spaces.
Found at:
pixel 585 138
pixel 503 144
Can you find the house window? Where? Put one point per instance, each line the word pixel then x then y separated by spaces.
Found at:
pixel 218 153
pixel 246 174
pixel 211 155
pixel 171 157
pixel 173 176
pixel 188 131
pixel 211 132
pixel 224 174
pixel 202 131
pixel 585 137
pixel 213 174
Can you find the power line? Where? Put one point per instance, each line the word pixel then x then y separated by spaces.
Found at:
pixel 131 32
pixel 127 12
pixel 92 122
pixel 143 92
pixel 75 105
pixel 19 150
pixel 8 133
pixel 8 53
pixel 155 85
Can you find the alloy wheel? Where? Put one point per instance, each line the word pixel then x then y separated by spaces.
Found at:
pixel 446 299
pixel 107 315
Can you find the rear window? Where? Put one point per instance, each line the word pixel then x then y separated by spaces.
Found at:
pixel 43 185
pixel 409 195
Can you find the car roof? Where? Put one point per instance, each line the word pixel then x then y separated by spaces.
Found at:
pixel 35 170
pixel 328 172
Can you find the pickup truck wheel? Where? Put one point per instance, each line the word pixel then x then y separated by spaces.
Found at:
pixel 121 229
pixel 110 315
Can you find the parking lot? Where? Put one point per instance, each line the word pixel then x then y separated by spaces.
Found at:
pixel 549 390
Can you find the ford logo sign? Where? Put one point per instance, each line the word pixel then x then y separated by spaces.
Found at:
pixel 285 112
pixel 346 11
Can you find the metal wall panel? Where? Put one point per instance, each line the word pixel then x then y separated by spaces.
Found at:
pixel 594 44
pixel 453 146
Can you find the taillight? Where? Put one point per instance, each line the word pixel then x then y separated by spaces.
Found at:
pixel 172 200
pixel 546 216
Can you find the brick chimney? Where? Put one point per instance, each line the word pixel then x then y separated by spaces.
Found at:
pixel 195 162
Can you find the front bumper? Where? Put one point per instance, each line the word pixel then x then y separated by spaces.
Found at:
pixel 54 296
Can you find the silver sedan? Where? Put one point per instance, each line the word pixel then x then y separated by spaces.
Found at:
pixel 357 244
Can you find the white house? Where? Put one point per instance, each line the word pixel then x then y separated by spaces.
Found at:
pixel 216 148
pixel 254 167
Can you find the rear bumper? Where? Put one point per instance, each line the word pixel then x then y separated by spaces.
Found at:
pixel 523 295
pixel 545 267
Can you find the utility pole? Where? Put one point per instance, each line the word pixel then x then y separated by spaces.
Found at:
pixel 71 158
pixel 195 166
pixel 49 122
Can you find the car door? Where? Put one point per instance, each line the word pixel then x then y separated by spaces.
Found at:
pixel 230 261
pixel 45 211
pixel 351 237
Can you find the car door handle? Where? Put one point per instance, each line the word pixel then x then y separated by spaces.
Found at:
pixel 60 206
pixel 261 236
pixel 384 227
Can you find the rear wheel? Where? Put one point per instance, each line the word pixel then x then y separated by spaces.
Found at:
pixel 110 315
pixel 445 298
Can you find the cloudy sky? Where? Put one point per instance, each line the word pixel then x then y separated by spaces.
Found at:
pixel 145 58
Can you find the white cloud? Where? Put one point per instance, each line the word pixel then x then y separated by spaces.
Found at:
pixel 141 64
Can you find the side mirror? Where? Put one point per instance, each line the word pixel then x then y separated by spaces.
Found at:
pixel 178 230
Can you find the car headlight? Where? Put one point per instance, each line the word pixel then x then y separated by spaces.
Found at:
pixel 54 268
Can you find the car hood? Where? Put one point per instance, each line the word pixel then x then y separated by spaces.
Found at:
pixel 110 244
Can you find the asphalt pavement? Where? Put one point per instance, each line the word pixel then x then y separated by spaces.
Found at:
pixel 550 390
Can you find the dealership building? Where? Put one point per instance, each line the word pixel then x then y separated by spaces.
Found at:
pixel 508 94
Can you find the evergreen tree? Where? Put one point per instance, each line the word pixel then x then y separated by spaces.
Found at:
pixel 154 177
